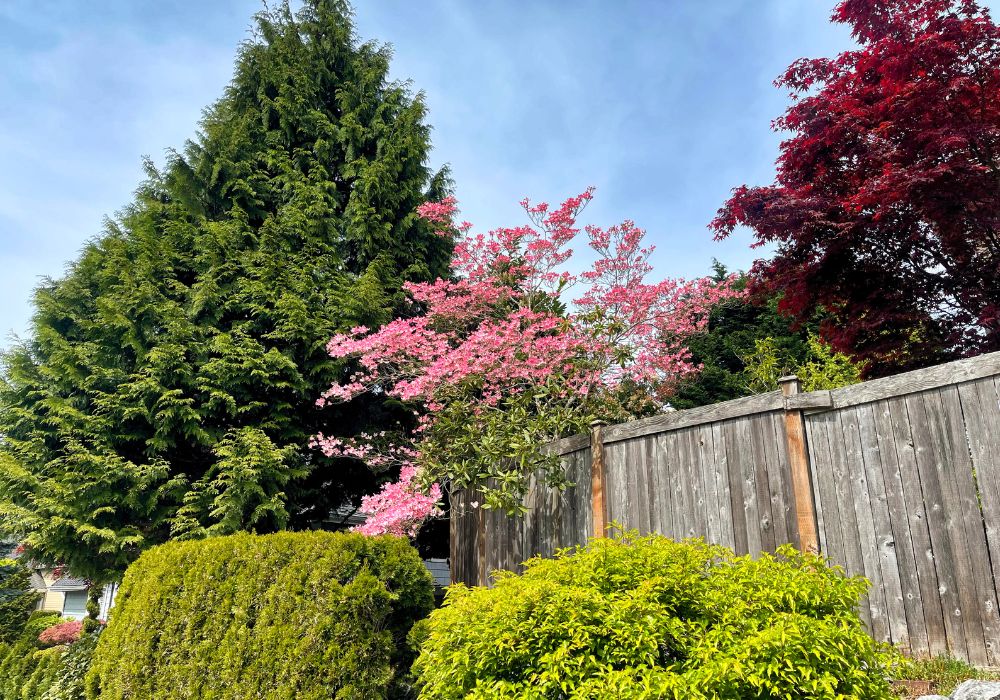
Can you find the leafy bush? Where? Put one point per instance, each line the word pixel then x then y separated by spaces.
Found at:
pixel 821 368
pixel 68 682
pixel 290 615
pixel 17 600
pixel 26 671
pixel 631 618
pixel 62 633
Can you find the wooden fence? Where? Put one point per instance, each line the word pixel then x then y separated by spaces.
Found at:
pixel 895 479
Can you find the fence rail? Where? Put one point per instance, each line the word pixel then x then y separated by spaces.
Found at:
pixel 896 479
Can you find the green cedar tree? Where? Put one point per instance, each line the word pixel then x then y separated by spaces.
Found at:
pixel 167 388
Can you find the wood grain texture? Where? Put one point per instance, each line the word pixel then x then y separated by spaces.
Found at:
pixel 900 476
pixel 675 420
pixel 918 380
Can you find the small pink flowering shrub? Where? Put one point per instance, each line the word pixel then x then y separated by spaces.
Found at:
pixel 63 633
pixel 512 351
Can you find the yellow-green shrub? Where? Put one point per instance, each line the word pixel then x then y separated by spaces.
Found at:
pixel 26 670
pixel 291 615
pixel 630 617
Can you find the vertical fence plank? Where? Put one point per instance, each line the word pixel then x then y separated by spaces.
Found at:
pixel 928 466
pixel 920 527
pixel 758 474
pixel 900 522
pixel 784 470
pixel 982 417
pixel 585 499
pixel 742 459
pixel 870 556
pixel 781 516
pixel 706 468
pixel 599 509
pixel 976 591
pixel 650 472
pixel 679 497
pixel 885 543
pixel 824 498
pixel 721 464
pixel 661 483
pixel 698 517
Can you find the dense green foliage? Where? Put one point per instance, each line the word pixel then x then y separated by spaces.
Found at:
pixel 168 385
pixel 17 600
pixel 27 670
pixel 68 681
pixel 631 618
pixel 289 615
pixel 749 344
pixel 821 368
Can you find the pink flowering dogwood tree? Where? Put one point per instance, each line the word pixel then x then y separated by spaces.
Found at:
pixel 514 351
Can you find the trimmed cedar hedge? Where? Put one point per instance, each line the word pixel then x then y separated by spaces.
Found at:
pixel 27 670
pixel 291 615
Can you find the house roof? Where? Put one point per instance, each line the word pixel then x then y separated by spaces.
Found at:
pixel 349 515
pixel 346 514
pixel 66 584
pixel 439 570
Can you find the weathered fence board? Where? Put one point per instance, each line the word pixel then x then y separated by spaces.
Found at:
pixel 898 480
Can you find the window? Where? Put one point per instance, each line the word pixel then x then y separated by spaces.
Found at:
pixel 75 604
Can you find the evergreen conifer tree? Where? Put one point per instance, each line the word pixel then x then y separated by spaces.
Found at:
pixel 168 385
pixel 17 600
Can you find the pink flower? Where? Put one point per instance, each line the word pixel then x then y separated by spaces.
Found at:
pixel 499 327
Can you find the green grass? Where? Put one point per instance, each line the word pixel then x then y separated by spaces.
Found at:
pixel 945 673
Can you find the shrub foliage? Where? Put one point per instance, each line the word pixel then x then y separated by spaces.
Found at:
pixel 17 600
pixel 630 618
pixel 289 615
pixel 26 670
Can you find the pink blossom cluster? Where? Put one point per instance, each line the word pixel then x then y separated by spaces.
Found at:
pixel 380 451
pixel 401 507
pixel 63 633
pixel 499 326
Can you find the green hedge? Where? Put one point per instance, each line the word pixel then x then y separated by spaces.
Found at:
pixel 27 670
pixel 643 618
pixel 291 615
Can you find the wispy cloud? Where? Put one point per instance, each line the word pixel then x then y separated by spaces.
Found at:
pixel 664 106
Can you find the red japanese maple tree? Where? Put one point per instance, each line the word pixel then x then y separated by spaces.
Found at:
pixel 886 204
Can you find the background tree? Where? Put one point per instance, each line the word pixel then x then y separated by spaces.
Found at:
pixel 512 352
pixel 17 600
pixel 168 386
pixel 749 343
pixel 886 205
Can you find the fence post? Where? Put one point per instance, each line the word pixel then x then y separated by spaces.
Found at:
pixel 597 484
pixel 798 460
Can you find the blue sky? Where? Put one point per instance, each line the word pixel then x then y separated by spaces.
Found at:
pixel 663 106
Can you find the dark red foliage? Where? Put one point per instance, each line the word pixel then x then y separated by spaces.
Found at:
pixel 886 204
